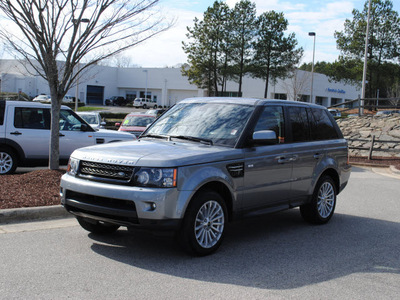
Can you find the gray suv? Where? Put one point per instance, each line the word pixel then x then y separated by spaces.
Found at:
pixel 208 161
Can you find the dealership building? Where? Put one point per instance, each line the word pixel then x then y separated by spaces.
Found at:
pixel 167 86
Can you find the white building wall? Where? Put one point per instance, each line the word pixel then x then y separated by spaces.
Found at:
pixel 168 86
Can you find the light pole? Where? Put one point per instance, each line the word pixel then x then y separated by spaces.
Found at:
pixel 145 93
pixel 312 67
pixel 76 21
pixel 361 108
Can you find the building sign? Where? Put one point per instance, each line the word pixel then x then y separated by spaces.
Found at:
pixel 340 91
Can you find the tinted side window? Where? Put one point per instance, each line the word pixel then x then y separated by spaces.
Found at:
pixel 31 118
pixel 321 125
pixel 299 124
pixel 2 111
pixel 272 119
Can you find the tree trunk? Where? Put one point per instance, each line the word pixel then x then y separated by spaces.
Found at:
pixel 54 146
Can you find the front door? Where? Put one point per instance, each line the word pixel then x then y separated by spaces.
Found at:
pixel 268 168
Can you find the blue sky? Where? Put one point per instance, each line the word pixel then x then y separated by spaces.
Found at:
pixel 322 17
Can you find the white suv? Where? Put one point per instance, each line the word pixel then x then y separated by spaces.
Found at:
pixel 25 134
pixel 144 103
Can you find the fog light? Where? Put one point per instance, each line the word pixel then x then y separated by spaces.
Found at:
pixel 153 206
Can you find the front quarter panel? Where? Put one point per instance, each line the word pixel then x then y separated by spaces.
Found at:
pixel 193 178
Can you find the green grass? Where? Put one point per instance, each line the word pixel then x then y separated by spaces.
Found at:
pixel 90 108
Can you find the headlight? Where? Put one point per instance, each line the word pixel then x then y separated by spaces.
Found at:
pixel 156 177
pixel 73 165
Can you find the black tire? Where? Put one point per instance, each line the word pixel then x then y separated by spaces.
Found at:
pixel 144 106
pixel 8 161
pixel 97 227
pixel 200 235
pixel 155 106
pixel 323 202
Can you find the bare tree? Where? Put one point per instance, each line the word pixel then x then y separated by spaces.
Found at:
pixel 297 84
pixel 48 35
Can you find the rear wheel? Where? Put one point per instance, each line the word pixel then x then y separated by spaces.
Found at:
pixel 8 161
pixel 97 226
pixel 144 106
pixel 203 227
pixel 323 202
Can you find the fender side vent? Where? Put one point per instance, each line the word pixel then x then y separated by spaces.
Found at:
pixel 236 170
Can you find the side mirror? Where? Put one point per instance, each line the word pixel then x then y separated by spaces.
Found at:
pixel 84 127
pixel 117 125
pixel 103 123
pixel 264 137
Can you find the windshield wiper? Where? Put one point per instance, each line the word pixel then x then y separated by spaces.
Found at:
pixel 193 138
pixel 157 136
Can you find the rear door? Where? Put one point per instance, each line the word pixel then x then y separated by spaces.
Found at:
pixel 312 129
pixel 30 128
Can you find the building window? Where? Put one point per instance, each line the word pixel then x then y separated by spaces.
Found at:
pixel 280 96
pixel 131 96
pixel 303 98
pixel 335 101
pixel 142 94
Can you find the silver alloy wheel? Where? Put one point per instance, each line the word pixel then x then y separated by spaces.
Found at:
pixel 326 199
pixel 6 162
pixel 209 224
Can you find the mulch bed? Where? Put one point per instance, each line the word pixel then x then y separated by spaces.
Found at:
pixel 42 187
pixel 36 188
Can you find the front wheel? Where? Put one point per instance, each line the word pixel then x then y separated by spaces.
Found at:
pixel 323 202
pixel 8 161
pixel 203 227
pixel 97 227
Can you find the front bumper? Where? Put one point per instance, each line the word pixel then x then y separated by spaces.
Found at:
pixel 122 205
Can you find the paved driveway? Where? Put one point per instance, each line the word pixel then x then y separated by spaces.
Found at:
pixel 355 256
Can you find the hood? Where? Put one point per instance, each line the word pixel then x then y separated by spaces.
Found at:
pixel 112 134
pixel 131 128
pixel 157 153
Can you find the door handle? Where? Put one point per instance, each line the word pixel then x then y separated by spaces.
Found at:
pixel 16 133
pixel 61 135
pixel 317 155
pixel 284 159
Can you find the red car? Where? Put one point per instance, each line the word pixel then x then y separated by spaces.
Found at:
pixel 135 123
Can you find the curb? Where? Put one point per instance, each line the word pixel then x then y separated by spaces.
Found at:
pixel 15 215
pixel 394 170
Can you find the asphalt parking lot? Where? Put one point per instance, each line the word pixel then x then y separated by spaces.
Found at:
pixel 355 256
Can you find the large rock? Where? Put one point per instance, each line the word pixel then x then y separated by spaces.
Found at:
pixel 363 128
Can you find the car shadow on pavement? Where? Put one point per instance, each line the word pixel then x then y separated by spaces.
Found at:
pixel 279 251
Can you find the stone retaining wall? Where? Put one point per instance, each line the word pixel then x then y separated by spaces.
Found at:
pixel 384 128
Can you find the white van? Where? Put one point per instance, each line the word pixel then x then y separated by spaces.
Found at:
pixel 144 103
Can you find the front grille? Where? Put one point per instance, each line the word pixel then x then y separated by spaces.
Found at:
pixel 95 170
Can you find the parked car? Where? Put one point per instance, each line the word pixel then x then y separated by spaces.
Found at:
pixel 387 112
pixel 93 119
pixel 157 112
pixel 116 100
pixel 144 103
pixel 135 123
pixel 208 161
pixel 68 99
pixel 42 98
pixel 335 112
pixel 25 134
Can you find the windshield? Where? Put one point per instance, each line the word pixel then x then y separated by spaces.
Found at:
pixel 220 123
pixel 139 121
pixel 91 119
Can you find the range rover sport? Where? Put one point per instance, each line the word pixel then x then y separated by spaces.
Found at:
pixel 208 161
